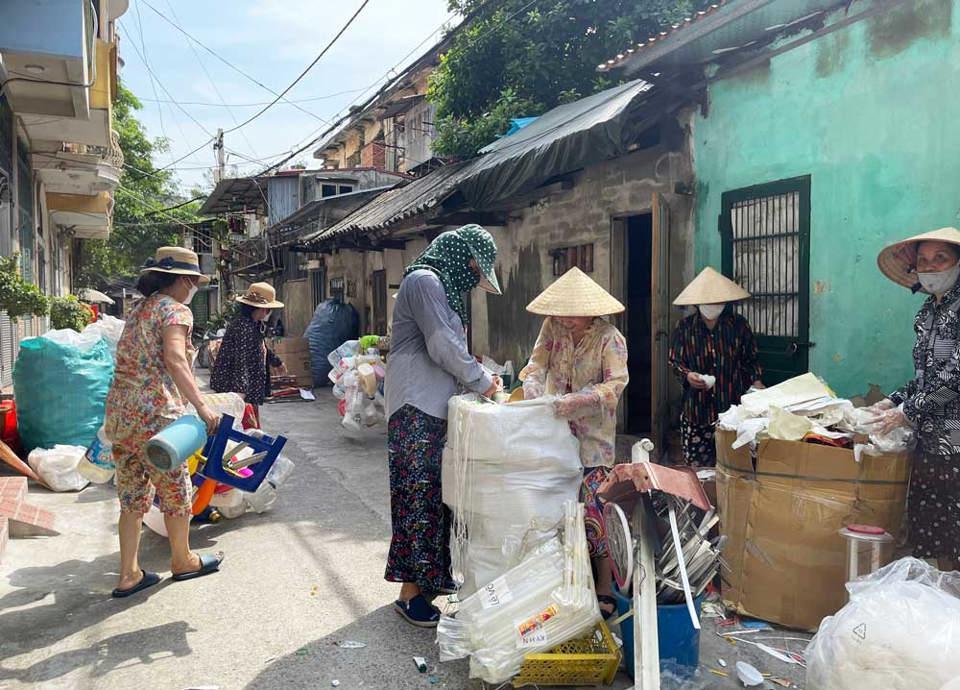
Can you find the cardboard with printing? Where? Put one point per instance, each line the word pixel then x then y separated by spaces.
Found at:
pixel 295 354
pixel 781 509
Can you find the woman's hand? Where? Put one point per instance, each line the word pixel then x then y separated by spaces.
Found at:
pixel 696 381
pixel 210 418
pixel 890 420
pixel 880 407
pixel 494 388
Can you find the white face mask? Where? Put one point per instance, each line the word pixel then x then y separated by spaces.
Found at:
pixel 711 312
pixel 939 283
pixel 191 294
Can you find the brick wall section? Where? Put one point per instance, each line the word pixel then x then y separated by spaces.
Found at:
pixel 4 536
pixel 374 155
pixel 25 519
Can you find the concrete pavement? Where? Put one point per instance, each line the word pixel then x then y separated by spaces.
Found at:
pixel 296 580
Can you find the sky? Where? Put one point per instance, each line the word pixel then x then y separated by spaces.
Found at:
pixel 272 41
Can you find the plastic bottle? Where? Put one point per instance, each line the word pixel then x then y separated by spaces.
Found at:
pixel 263 499
pixel 282 467
pixel 97 463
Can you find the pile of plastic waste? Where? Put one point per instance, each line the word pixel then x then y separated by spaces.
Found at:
pixel 333 322
pixel 357 375
pixel 507 472
pixel 805 409
pixel 545 600
pixel 900 631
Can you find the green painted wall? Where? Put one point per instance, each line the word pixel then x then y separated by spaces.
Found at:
pixel 872 114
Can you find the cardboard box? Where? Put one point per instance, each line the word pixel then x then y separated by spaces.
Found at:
pixel 787 564
pixel 295 353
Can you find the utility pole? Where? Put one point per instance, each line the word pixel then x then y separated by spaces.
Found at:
pixel 221 157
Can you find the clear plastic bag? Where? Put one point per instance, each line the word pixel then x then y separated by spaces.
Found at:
pixel 58 467
pixel 544 601
pixel 900 631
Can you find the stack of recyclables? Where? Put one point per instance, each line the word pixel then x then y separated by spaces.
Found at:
pixel 507 471
pixel 900 631
pixel 544 601
pixel 805 405
pixel 357 379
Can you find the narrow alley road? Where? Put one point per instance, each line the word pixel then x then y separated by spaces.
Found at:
pixel 296 580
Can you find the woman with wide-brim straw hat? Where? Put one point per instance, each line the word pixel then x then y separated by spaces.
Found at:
pixel 582 358
pixel 930 402
pixel 244 360
pixel 714 354
pixel 152 383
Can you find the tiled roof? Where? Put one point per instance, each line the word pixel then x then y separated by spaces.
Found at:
pixel 618 59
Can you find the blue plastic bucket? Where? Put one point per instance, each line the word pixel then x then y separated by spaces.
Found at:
pixel 679 641
pixel 168 449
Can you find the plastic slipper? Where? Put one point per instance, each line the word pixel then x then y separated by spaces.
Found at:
pixel 418 611
pixel 209 563
pixel 148 580
pixel 607 600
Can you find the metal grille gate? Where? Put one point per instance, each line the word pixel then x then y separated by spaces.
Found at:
pixel 766 249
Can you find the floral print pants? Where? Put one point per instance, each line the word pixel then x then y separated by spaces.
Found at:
pixel 419 549
pixel 593 477
pixel 699 447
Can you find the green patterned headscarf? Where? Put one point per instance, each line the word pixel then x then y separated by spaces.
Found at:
pixel 449 257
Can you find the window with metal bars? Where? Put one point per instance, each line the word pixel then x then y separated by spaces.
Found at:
pixel 766 250
pixel 25 211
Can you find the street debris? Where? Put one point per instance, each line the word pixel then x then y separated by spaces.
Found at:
pixel 749 675
pixel 350 644
pixel 420 663
pixel 335 683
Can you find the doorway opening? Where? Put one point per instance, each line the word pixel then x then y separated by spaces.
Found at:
pixel 638 263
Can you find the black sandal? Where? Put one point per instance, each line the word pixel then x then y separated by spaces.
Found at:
pixel 607 600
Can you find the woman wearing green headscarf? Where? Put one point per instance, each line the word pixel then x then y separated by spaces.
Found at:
pixel 429 363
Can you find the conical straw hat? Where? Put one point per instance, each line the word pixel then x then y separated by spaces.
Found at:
pixel 574 294
pixel 710 288
pixel 899 261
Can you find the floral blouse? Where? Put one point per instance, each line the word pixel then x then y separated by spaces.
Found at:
pixel 931 400
pixel 597 368
pixel 144 398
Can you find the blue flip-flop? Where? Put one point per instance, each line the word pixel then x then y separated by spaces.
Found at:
pixel 148 580
pixel 209 563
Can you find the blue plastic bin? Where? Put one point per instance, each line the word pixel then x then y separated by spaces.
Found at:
pixel 679 641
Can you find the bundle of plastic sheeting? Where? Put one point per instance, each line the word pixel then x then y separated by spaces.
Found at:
pixel 900 631
pixel 507 472
pixel 544 601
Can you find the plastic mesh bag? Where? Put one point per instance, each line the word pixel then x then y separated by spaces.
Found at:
pixel 60 382
pixel 900 631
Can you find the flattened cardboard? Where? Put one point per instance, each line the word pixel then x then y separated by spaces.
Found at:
pixel 295 354
pixel 787 564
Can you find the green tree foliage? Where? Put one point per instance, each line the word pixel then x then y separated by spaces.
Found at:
pixel 138 226
pixel 519 58
pixel 69 312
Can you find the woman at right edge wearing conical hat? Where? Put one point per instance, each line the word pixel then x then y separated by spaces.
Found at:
pixel 714 354
pixel 582 358
pixel 930 401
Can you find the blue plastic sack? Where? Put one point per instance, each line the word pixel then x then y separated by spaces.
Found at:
pixel 333 323
pixel 61 391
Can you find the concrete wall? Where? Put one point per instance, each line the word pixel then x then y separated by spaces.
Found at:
pixel 297 306
pixel 869 112
pixel 587 213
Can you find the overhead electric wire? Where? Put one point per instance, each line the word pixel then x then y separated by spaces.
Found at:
pixel 153 85
pixel 208 104
pixel 146 202
pixel 216 90
pixel 227 62
pixel 304 72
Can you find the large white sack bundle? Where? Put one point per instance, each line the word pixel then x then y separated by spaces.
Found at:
pixel 507 472
pixel 900 631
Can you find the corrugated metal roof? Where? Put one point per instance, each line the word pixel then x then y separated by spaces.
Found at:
pixel 724 27
pixel 561 140
pixel 235 194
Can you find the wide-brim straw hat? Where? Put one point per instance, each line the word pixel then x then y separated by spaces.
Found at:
pixel 260 295
pixel 899 261
pixel 710 287
pixel 176 260
pixel 575 294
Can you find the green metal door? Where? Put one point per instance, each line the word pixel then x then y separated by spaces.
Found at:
pixel 766 249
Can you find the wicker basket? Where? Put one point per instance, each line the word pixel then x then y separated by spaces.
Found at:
pixel 591 660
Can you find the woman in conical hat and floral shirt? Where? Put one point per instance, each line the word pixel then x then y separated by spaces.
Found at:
pixel 582 358
pixel 430 363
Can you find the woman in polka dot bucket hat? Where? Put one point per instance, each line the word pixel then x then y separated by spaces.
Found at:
pixel 430 363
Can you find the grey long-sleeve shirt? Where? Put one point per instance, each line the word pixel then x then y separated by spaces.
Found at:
pixel 429 360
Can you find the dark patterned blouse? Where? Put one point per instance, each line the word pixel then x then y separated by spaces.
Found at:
pixel 728 352
pixel 241 364
pixel 931 400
